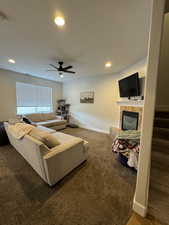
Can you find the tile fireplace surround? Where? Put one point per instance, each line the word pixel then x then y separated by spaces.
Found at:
pixel 132 109
pixel 131 106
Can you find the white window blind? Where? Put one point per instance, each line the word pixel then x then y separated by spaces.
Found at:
pixel 33 98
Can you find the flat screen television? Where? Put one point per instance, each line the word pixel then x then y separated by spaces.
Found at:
pixel 129 86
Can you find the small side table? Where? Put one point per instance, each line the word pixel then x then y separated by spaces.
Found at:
pixel 3 136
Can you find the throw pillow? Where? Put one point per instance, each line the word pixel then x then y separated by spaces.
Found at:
pixel 51 141
pixel 46 138
pixel 26 120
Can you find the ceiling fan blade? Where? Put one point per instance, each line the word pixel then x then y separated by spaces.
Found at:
pixel 53 66
pixel 66 71
pixel 68 67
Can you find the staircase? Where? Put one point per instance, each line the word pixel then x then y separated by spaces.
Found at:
pixel 159 178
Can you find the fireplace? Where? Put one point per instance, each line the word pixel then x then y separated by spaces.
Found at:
pixel 129 120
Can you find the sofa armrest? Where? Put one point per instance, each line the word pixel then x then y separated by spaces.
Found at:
pixel 62 159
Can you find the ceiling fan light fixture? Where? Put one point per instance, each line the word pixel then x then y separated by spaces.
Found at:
pixel 108 64
pixel 11 61
pixel 61 75
pixel 59 21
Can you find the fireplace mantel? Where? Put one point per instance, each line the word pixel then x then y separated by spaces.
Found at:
pixel 138 103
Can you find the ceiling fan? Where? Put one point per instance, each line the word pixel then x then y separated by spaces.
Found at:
pixel 61 69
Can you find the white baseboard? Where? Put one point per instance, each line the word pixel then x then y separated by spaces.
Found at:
pixel 139 208
pixel 94 129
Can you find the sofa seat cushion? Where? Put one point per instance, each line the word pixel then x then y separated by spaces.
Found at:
pixel 65 138
pixel 51 123
pixel 45 137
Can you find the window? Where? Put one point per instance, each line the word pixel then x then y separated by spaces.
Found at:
pixel 33 98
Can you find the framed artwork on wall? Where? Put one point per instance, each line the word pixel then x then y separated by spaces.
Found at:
pixel 87 97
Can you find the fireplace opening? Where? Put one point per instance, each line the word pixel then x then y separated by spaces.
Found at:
pixel 130 120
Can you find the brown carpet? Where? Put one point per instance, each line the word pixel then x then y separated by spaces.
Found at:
pixel 99 192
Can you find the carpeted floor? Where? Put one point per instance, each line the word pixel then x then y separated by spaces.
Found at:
pixel 99 192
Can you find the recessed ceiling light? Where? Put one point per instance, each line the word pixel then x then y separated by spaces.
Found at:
pixel 11 61
pixel 60 21
pixel 108 64
pixel 61 75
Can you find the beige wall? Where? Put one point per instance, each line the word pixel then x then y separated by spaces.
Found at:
pixel 105 112
pixel 163 74
pixel 8 81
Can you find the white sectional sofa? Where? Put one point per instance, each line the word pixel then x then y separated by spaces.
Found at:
pixel 51 164
pixel 47 120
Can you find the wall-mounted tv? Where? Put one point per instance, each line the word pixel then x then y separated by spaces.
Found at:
pixel 130 86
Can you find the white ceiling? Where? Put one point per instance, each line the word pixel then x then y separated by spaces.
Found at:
pixel 96 31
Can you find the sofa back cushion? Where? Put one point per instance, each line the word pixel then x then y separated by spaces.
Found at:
pixel 48 116
pixel 36 117
pixel 19 130
pixel 45 137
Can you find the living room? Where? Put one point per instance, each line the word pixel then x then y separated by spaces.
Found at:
pixel 80 165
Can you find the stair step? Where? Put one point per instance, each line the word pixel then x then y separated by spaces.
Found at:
pixel 159 205
pixel 160 160
pixel 162 133
pixel 160 194
pixel 158 186
pixel 160 145
pixel 159 171
pixel 162 114
pixel 161 174
pixel 161 122
pixel 159 178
